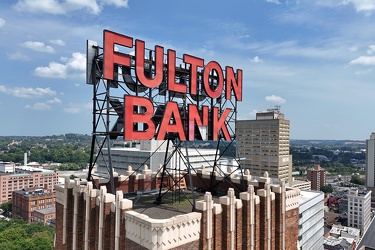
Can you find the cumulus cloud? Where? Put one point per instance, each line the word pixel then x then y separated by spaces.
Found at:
pixel 70 67
pixel 63 7
pixel 275 99
pixel 2 22
pixel 364 60
pixel 366 6
pixel 58 42
pixel 38 106
pixel 27 92
pixel 76 108
pixel 38 46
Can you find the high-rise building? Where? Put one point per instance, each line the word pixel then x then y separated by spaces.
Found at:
pixel 311 220
pixel 370 162
pixel 317 177
pixel 263 145
pixel 359 209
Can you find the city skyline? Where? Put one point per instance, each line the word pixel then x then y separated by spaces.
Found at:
pixel 314 58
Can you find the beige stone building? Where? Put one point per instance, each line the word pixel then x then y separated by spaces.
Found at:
pixel 263 145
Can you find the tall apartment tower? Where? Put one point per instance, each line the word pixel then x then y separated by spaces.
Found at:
pixel 263 145
pixel 370 162
pixel 317 177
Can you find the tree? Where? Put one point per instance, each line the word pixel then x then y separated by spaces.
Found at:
pixel 356 179
pixel 6 207
pixel 327 189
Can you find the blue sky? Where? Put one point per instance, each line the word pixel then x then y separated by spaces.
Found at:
pixel 314 58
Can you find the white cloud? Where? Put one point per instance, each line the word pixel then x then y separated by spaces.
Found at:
pixel 273 1
pixel 54 101
pixel 364 60
pixel 27 92
pixel 18 56
pixel 73 67
pixel 2 22
pixel 39 46
pixel 58 42
pixel 257 59
pixel 44 6
pixel 371 49
pixel 63 7
pixel 275 99
pixel 117 3
pixel 38 106
pixel 366 6
pixel 76 108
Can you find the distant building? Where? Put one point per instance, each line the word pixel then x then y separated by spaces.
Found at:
pixel 342 238
pixel 300 184
pixel 370 162
pixel 45 215
pixel 264 145
pixel 152 153
pixel 25 177
pixel 27 201
pixel 317 177
pixel 311 220
pixel 359 209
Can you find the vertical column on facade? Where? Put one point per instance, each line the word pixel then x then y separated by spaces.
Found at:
pixel 78 215
pixel 119 207
pixel 228 203
pixel 280 196
pixel 266 227
pixel 148 177
pixel 205 208
pixel 61 206
pixel 89 199
pixel 69 212
pixel 238 226
pixel 217 225
pixel 248 218
pixel 104 203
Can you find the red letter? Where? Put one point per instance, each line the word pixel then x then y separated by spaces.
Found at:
pixel 219 123
pixel 166 126
pixel 111 57
pixel 211 91
pixel 172 84
pixel 194 62
pixel 140 65
pixel 232 83
pixel 194 117
pixel 130 118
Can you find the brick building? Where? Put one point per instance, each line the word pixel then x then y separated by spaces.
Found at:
pixel 264 216
pixel 25 177
pixel 27 201
pixel 317 177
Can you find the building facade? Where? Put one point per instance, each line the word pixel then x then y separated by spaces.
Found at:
pixel 317 177
pixel 311 220
pixel 263 217
pixel 25 177
pixel 263 145
pixel 370 162
pixel 359 209
pixel 25 202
